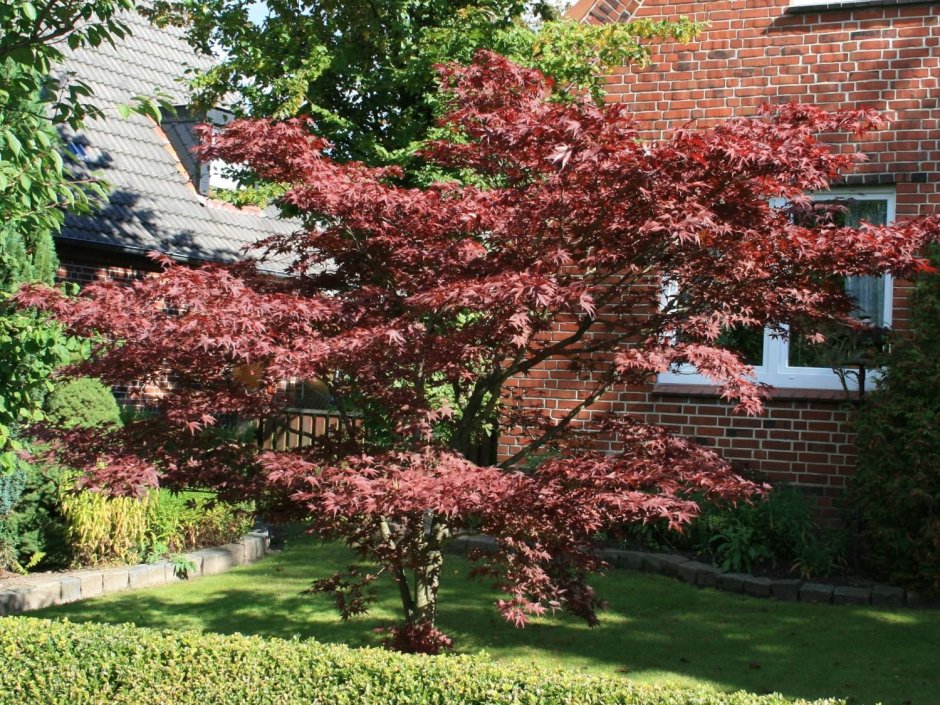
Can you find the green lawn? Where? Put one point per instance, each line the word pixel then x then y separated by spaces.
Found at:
pixel 655 629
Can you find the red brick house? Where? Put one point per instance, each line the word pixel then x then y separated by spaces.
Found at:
pixel 833 53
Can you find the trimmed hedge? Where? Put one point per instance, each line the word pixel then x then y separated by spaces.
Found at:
pixel 76 664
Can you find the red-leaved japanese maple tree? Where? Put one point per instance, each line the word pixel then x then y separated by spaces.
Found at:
pixel 421 309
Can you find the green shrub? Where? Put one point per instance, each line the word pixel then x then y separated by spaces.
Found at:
pixel 896 489
pixel 84 402
pixel 58 663
pixel 188 520
pixel 11 487
pixel 778 528
pixel 35 525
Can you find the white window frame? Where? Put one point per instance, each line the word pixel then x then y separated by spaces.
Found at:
pixel 776 369
pixel 826 3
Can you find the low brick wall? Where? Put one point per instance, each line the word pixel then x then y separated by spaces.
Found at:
pixel 33 592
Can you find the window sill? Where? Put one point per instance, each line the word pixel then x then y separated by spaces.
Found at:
pixel 777 393
pixel 834 5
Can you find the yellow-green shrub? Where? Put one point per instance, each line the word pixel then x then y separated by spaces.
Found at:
pixel 58 663
pixel 103 529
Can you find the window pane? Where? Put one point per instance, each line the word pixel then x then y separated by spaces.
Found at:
pixel 747 342
pixel 870 211
pixel 868 293
pixel 869 296
pixel 806 354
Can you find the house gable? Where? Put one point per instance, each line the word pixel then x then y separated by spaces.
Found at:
pixel 153 203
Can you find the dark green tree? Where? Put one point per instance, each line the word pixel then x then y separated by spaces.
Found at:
pixel 365 69
pixel 36 187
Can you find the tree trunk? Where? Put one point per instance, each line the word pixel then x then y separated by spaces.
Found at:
pixel 428 576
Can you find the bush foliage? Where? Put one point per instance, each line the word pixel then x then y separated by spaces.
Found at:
pixel 778 529
pixel 84 402
pixel 61 663
pixel 189 520
pixel 102 529
pixel 896 494
pixel 33 529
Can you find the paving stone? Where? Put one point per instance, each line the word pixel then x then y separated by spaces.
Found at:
pixel 844 595
pixel 732 582
pixel 71 589
pixel 41 595
pixel 486 544
pixel 816 592
pixel 707 576
pixel 629 560
pixel 236 551
pixel 688 571
pixel 916 600
pixel 457 546
pixel 757 587
pixel 156 574
pixel 170 569
pixel 215 561
pixel 196 559
pixel 137 577
pixel 115 579
pixel 670 564
pixel 262 540
pixel 92 582
pixel 887 596
pixel 11 602
pixel 787 589
pixel 254 548
pixel 652 563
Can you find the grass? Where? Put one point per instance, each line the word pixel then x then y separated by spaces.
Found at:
pixel 655 630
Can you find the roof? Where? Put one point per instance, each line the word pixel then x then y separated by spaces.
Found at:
pixel 153 204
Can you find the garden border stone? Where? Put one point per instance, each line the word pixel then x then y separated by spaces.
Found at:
pixel 705 575
pixel 817 593
pixel 31 592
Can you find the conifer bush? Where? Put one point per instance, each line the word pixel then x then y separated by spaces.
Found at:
pixel 896 494
pixel 84 402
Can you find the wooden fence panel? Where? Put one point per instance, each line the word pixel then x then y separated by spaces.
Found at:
pixel 296 428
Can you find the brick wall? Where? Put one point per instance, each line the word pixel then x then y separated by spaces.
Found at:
pixel 884 56
pixel 83 264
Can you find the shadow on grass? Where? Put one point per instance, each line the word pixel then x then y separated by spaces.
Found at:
pixel 655 629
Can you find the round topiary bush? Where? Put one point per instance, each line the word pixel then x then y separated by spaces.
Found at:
pixel 84 402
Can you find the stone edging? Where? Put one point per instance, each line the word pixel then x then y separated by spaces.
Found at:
pixel 704 575
pixel 22 594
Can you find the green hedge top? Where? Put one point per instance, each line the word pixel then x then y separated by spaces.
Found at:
pixel 75 664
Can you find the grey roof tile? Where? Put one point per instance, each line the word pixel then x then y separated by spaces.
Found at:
pixel 152 205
